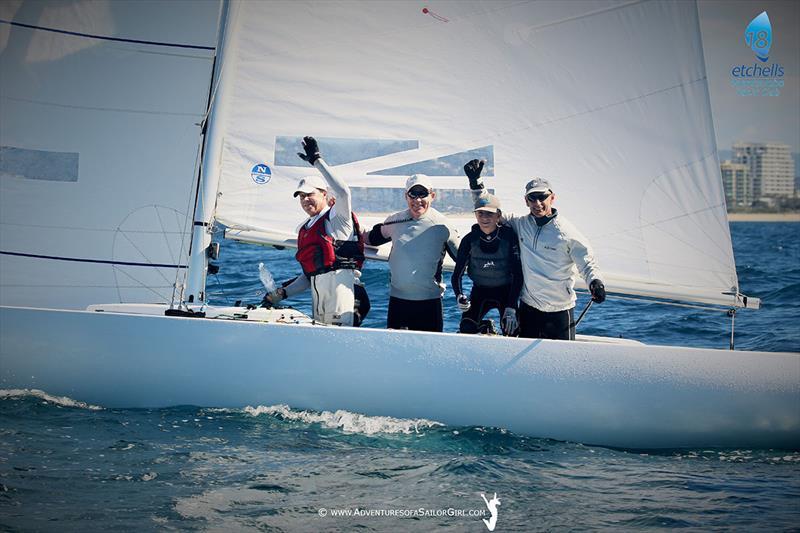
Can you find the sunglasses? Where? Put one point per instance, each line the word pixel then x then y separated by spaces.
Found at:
pixel 418 193
pixel 540 196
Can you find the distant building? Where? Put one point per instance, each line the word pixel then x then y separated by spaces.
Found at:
pixel 771 169
pixel 737 184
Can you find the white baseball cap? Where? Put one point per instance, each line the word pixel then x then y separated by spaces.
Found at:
pixel 419 179
pixel 309 183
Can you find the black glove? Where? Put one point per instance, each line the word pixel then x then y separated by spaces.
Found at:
pixel 473 171
pixel 312 150
pixel 598 291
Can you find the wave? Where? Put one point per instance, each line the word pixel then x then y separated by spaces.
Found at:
pixel 63 401
pixel 345 420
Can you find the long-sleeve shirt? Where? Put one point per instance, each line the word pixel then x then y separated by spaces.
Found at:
pixel 490 264
pixel 418 248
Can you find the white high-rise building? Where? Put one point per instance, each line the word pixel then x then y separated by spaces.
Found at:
pixel 771 168
pixel 737 184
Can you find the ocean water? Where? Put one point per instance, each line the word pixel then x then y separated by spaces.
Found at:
pixel 66 465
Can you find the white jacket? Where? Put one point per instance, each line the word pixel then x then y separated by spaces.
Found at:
pixel 551 257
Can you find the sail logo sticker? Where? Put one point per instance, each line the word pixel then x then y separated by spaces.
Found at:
pixel 760 78
pixel 758 36
pixel 261 174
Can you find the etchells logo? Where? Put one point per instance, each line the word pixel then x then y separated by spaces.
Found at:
pixel 758 36
pixel 261 174
pixel 758 79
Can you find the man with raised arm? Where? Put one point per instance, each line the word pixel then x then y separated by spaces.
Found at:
pixel 329 244
pixel 552 250
pixel 489 255
pixel 420 237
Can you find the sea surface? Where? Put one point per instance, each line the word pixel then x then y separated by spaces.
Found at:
pixel 70 466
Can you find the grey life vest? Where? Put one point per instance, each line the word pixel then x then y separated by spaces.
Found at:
pixel 490 263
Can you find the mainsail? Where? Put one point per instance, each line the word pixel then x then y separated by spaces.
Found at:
pixel 607 99
pixel 100 105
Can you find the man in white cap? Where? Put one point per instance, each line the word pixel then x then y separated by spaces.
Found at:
pixel 489 254
pixel 551 250
pixel 420 237
pixel 329 244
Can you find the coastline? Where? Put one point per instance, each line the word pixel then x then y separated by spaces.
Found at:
pixel 763 217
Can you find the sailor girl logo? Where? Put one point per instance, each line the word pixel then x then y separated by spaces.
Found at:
pixel 758 36
pixel 261 174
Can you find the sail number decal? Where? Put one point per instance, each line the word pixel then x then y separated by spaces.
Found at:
pixel 261 173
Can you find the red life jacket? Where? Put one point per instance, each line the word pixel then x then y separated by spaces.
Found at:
pixel 318 252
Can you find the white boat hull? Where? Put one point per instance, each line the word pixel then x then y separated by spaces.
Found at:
pixel 626 395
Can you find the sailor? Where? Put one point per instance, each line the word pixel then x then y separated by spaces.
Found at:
pixel 420 237
pixel 330 249
pixel 551 250
pixel 490 256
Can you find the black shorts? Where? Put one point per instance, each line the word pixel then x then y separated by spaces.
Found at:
pixel 535 324
pixel 419 315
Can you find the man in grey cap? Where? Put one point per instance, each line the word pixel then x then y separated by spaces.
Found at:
pixel 329 244
pixel 420 237
pixel 551 250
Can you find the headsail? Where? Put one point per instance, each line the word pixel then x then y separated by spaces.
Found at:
pixel 100 103
pixel 607 99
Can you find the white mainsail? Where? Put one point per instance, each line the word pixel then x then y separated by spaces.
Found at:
pixel 99 141
pixel 388 89
pixel 607 99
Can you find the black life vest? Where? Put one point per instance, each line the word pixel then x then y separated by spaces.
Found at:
pixel 490 262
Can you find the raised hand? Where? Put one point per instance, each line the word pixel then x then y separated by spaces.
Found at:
pixel 473 171
pixel 311 150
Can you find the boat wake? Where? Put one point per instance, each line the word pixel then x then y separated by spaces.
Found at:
pixel 345 420
pixel 61 401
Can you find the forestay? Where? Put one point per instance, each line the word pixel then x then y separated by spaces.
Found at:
pixel 99 147
pixel 608 100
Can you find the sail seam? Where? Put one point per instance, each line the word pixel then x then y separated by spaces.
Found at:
pixel 587 111
pixel 95 108
pixel 87 260
pixel 105 37
pixel 79 228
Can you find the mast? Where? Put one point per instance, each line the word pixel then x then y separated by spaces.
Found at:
pixel 209 179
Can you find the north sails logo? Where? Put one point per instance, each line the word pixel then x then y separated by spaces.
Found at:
pixel 261 174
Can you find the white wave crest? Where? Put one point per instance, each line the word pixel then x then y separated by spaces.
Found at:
pixel 63 401
pixel 346 421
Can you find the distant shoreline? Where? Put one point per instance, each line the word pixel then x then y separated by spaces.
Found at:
pixel 763 217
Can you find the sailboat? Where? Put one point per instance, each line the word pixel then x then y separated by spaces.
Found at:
pixel 129 134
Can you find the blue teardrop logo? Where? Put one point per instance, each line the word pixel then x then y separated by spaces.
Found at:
pixel 758 36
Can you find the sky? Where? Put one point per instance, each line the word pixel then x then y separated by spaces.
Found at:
pixel 752 118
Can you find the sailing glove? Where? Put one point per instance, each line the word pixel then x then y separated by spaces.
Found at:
pixel 598 291
pixel 312 150
pixel 276 296
pixel 509 323
pixel 473 171
pixel 463 303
